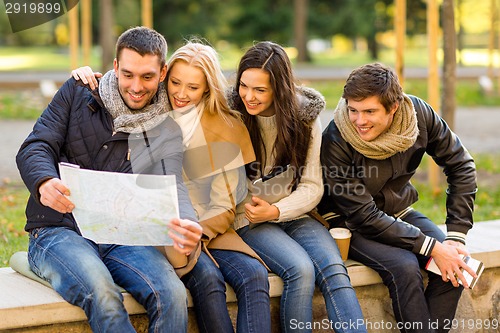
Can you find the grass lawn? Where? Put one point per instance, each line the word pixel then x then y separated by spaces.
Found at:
pixel 12 219
pixel 58 58
pixel 39 59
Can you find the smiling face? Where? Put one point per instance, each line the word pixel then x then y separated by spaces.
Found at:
pixel 186 85
pixel 256 92
pixel 138 77
pixel 369 117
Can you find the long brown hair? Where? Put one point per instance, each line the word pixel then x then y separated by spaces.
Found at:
pixel 292 141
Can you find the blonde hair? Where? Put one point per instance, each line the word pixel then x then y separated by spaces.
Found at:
pixel 203 56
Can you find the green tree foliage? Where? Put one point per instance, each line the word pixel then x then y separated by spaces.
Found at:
pixel 242 22
pixel 262 20
pixel 178 20
pixel 40 35
pixel 354 18
pixel 361 18
pixel 416 17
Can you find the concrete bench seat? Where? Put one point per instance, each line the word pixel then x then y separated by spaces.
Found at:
pixel 29 306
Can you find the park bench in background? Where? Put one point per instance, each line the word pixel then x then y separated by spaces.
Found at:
pixel 48 88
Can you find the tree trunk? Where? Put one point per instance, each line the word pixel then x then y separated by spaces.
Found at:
pixel 300 30
pixel 460 33
pixel 448 102
pixel 106 38
pixel 373 46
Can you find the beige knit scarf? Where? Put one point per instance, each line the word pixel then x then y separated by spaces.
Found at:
pixel 132 121
pixel 400 136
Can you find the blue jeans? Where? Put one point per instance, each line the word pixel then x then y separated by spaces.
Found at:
pixel 248 278
pixel 400 272
pixel 85 273
pixel 303 254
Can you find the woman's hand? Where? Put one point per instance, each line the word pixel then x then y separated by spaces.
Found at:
pixel 260 211
pixel 87 76
pixel 186 234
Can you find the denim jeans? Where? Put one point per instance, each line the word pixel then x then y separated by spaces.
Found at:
pixel 248 278
pixel 303 254
pixel 400 272
pixel 85 273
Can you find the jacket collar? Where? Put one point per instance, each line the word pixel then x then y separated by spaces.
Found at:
pixel 311 103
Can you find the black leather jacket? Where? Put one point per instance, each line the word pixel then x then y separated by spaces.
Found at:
pixel 76 128
pixel 368 193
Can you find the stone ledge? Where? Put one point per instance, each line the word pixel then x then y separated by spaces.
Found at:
pixel 28 306
pixel 28 303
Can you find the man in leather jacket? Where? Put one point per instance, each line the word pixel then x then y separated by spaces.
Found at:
pixel 369 153
pixel 123 127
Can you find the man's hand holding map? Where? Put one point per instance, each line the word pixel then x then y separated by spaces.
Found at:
pixel 119 208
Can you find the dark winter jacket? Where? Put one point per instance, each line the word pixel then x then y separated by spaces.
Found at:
pixel 76 128
pixel 368 193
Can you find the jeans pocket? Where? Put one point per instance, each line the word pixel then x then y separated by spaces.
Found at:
pixel 33 248
pixel 33 234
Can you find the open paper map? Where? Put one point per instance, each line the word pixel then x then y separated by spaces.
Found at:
pixel 120 208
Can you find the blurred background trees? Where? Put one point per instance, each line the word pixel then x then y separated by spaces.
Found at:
pixel 307 25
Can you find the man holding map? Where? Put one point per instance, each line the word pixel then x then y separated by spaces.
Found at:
pixel 120 127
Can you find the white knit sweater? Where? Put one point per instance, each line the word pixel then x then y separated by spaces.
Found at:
pixel 310 189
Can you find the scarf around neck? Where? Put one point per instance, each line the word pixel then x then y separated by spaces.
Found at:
pixel 400 136
pixel 188 118
pixel 125 119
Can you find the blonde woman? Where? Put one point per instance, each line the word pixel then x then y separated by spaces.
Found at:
pixel 216 148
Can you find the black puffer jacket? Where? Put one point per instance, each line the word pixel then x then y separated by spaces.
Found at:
pixel 76 128
pixel 368 192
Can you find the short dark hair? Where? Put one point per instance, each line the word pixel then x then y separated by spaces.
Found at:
pixel 144 41
pixel 374 79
